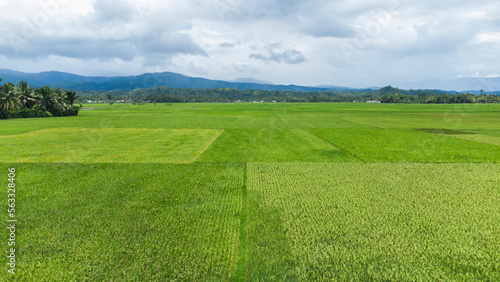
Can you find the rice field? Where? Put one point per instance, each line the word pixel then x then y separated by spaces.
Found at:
pixel 374 221
pixel 255 192
pixel 108 145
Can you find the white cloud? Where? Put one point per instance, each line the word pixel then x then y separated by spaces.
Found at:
pixel 276 52
pixel 351 43
pixel 488 37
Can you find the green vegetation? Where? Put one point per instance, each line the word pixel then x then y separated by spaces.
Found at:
pixel 458 98
pixel 403 145
pixel 23 102
pixel 379 222
pixel 141 222
pixel 192 95
pixel 108 145
pixel 273 145
pixel 256 192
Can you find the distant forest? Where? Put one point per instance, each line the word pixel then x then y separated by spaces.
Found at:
pixel 225 95
pixel 23 101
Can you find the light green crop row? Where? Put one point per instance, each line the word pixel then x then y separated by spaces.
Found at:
pixel 400 222
pixel 107 145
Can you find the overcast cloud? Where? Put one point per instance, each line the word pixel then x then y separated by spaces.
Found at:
pixel 349 43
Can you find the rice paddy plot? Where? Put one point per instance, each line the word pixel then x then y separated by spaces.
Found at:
pixel 400 222
pixel 457 116
pixel 272 145
pixel 127 222
pixel 111 145
pixel 401 145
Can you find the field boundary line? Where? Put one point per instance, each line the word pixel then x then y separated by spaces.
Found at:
pixel 208 145
pixel 338 147
pixel 242 248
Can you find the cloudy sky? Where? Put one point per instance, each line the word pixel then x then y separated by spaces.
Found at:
pixel 345 42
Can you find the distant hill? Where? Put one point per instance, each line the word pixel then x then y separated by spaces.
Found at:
pixel 391 90
pixel 175 80
pixel 148 80
pixel 462 84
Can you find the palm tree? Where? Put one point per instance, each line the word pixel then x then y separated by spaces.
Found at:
pixel 71 98
pixel 60 100
pixel 46 98
pixel 27 95
pixel 9 100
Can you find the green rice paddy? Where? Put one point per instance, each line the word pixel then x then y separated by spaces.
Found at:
pixel 255 192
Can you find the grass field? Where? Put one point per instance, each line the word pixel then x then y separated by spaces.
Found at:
pixel 255 192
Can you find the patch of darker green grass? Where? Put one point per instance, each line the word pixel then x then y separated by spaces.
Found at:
pixel 269 254
pixel 242 249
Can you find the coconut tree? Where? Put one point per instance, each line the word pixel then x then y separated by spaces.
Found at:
pixel 60 101
pixel 71 98
pixel 27 95
pixel 46 98
pixel 9 99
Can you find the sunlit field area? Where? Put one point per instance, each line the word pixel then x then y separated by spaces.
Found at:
pixel 255 192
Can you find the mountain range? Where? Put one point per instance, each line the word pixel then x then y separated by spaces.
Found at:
pixel 147 80
pixel 462 84
pixel 175 80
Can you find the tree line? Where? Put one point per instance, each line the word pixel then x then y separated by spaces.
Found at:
pixel 386 94
pixel 166 94
pixel 458 98
pixel 177 95
pixel 22 101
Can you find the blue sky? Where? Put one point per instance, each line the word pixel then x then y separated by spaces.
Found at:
pixel 348 43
